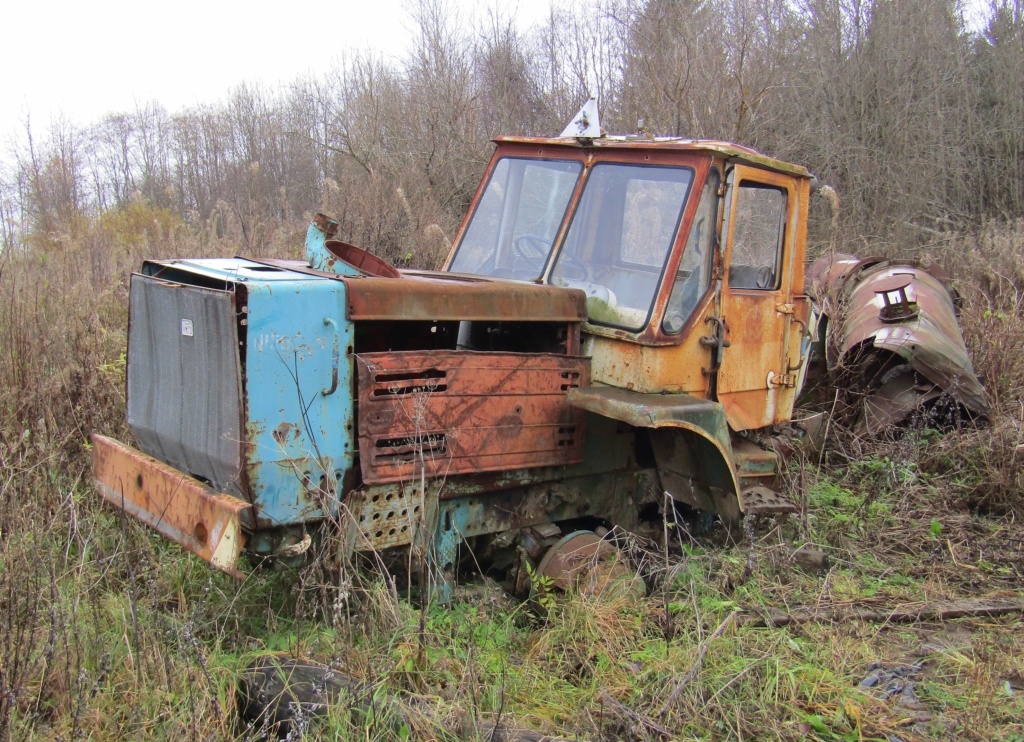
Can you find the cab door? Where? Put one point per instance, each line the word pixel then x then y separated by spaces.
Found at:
pixel 759 230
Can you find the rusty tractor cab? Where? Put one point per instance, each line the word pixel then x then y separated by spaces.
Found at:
pixel 691 256
pixel 620 325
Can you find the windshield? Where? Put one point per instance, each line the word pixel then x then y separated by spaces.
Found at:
pixel 620 237
pixel 694 275
pixel 517 218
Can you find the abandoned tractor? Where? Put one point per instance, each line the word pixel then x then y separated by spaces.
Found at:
pixel 620 326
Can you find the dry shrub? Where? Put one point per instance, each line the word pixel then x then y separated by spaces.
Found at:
pixel 988 268
pixel 403 224
pixel 69 570
pixel 980 467
pixel 983 465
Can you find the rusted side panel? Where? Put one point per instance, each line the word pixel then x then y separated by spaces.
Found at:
pixel 690 439
pixel 671 369
pixel 206 522
pixel 460 412
pixel 757 379
pixel 446 296
pixel 656 411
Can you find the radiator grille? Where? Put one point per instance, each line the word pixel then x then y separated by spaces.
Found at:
pixel 184 380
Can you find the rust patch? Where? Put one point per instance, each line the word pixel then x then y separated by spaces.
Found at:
pixel 362 260
pixel 447 296
pixel 284 431
pixel 325 224
pixel 894 337
pixel 206 522
pixel 449 412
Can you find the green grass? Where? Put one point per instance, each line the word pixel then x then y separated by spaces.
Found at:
pixel 109 632
pixel 131 638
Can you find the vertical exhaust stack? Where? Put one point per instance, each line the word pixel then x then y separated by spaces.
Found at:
pixel 324 253
pixel 321 229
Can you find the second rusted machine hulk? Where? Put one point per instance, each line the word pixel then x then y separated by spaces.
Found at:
pixel 620 325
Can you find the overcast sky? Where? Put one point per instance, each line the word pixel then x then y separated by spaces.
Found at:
pixel 84 59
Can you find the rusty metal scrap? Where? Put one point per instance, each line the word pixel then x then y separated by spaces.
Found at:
pixel 893 336
pixel 441 296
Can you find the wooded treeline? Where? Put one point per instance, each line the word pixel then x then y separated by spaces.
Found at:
pixel 914 113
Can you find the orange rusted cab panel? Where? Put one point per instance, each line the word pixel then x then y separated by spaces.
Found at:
pixel 690 255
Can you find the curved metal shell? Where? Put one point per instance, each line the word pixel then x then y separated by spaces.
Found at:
pixel 908 310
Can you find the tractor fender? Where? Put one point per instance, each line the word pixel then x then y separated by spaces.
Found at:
pixel 690 438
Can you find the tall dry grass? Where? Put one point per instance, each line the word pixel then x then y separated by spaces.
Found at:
pixel 82 654
pixel 983 466
pixel 106 632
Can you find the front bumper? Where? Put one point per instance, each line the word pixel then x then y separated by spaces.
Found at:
pixel 206 522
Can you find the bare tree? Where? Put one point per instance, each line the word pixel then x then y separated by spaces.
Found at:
pixel 920 130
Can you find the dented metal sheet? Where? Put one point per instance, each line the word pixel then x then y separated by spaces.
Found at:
pixel 206 522
pixel 893 326
pixel 246 386
pixel 386 516
pixel 655 410
pixel 453 412
pixel 434 296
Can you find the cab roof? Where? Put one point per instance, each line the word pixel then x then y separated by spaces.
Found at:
pixel 639 142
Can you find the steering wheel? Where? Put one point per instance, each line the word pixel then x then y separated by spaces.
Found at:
pixel 533 248
pixel 570 266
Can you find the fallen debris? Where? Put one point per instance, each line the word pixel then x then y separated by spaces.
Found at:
pixel 698 663
pixel 892 680
pixel 893 342
pixel 621 710
pixel 898 684
pixel 810 560
pixel 283 697
pixel 938 610
pixel 280 695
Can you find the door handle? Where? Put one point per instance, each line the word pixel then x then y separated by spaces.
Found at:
pixel 335 357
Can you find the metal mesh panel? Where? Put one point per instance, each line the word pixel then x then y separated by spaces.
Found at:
pixel 184 380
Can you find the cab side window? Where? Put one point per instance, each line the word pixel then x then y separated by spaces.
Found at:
pixel 757 237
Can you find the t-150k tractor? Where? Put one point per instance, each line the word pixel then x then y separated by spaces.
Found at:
pixel 620 325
